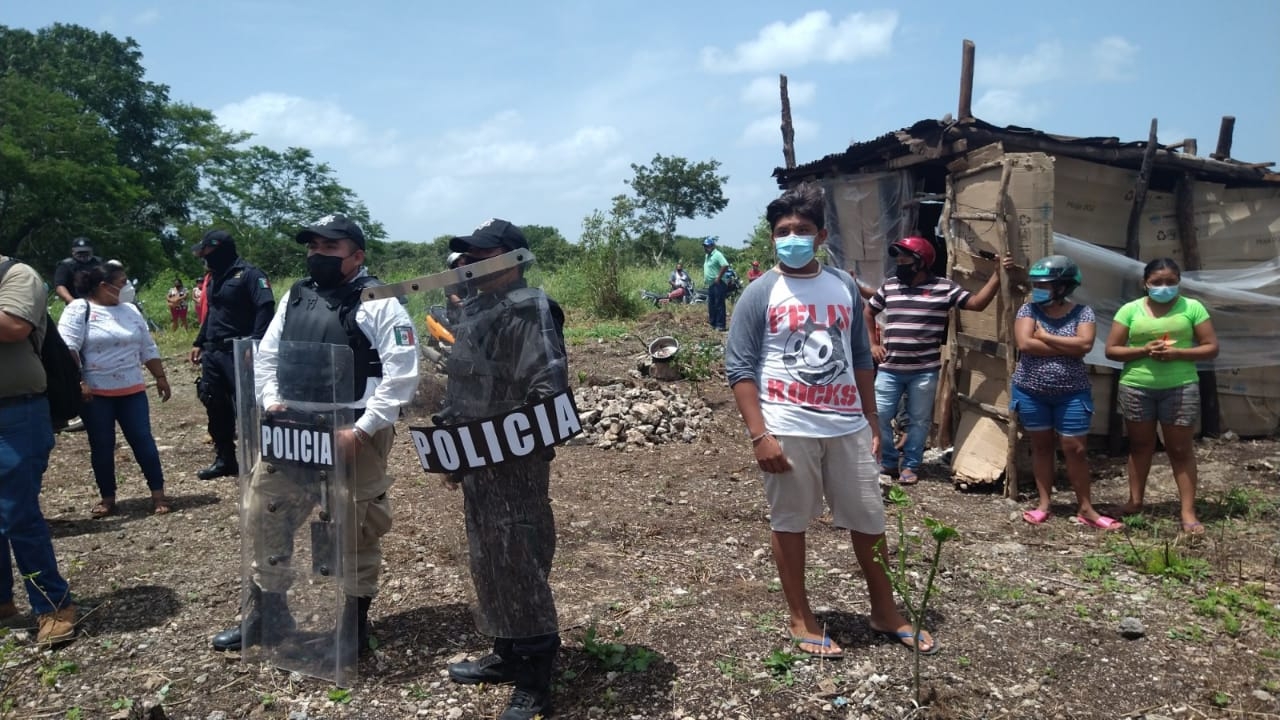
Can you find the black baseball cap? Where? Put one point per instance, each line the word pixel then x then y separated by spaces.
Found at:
pixel 334 227
pixel 492 233
pixel 213 238
pixel 81 244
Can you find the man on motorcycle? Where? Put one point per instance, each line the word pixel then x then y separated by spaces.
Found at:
pixel 681 284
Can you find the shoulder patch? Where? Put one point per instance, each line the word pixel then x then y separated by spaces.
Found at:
pixel 264 283
pixel 404 335
pixel 237 275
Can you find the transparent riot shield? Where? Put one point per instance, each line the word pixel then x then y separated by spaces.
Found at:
pixel 296 510
pixel 493 402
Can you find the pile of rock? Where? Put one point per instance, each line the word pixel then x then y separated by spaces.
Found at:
pixel 623 417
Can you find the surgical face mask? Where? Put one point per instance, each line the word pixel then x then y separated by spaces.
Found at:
pixel 128 293
pixel 1040 296
pixel 1163 293
pixel 905 273
pixel 794 251
pixel 326 270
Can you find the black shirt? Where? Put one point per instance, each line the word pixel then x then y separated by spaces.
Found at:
pixel 240 305
pixel 65 273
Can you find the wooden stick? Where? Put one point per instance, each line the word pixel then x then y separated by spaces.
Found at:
pixel 1115 439
pixel 966 82
pixel 1189 147
pixel 1226 131
pixel 986 408
pixel 1185 216
pixel 1004 207
pixel 944 404
pixel 788 130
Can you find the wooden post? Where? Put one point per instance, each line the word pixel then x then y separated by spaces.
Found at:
pixel 965 111
pixel 1189 146
pixel 944 406
pixel 1225 132
pixel 1004 210
pixel 1115 439
pixel 788 130
pixel 1185 216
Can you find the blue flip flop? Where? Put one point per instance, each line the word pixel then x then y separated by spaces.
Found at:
pixel 902 636
pixel 825 642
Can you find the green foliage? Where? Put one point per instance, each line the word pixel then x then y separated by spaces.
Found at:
pixel 671 188
pixel 1220 699
pixel 121 703
pixel 1097 565
pixel 759 245
pixel 340 696
pixel 779 664
pixel 730 669
pixel 74 713
pixel 1229 605
pixel 1164 560
pixel 617 656
pixel 1243 502
pixel 604 243
pixel 700 362
pixel 49 674
pixel 552 250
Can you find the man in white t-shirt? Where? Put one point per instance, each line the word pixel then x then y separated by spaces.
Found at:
pixel 799 362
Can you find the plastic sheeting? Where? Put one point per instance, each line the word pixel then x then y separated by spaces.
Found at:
pixel 863 213
pixel 1244 305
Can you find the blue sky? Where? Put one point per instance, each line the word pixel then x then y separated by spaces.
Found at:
pixel 440 115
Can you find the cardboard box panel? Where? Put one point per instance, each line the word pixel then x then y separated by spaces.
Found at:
pixel 1031 196
pixel 981 449
pixel 982 378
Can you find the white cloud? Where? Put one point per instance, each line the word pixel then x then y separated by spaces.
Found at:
pixel 293 120
pixel 1008 107
pixel 147 17
pixel 763 92
pixel 1044 63
pixel 813 38
pixel 1113 59
pixel 768 131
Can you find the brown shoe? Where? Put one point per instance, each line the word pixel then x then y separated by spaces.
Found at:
pixel 58 626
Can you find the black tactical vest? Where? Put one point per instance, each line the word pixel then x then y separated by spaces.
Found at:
pixel 325 316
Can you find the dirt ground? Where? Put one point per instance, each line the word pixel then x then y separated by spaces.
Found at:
pixel 668 595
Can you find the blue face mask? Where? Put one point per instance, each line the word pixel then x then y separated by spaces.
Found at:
pixel 1041 296
pixel 1163 293
pixel 794 251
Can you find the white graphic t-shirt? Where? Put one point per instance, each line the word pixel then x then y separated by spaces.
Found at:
pixel 800 339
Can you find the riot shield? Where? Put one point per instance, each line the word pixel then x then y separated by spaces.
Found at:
pixel 493 402
pixel 298 534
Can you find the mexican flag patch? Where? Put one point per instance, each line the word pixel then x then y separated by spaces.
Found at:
pixel 404 334
pixel 263 283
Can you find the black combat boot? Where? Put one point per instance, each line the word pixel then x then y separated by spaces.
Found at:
pixel 354 610
pixel 273 605
pixel 496 668
pixel 532 695
pixel 223 464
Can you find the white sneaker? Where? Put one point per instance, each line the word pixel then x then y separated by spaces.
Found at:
pixel 75 425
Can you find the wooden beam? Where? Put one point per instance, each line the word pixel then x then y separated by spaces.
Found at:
pixel 982 345
pixel 1004 209
pixel 1185 217
pixel 999 413
pixel 1226 131
pixel 788 130
pixel 1189 147
pixel 944 404
pixel 966 82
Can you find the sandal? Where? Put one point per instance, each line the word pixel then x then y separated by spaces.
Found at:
pixel 103 509
pixel 908 477
pixel 161 506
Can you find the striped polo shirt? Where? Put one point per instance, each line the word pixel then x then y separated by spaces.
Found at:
pixel 915 321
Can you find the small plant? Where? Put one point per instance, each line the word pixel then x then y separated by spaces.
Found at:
pixel 340 696
pixel 615 655
pixel 1165 561
pixel 267 700
pixel 74 713
pixel 49 674
pixel 916 612
pixel 122 703
pixel 1096 565
pixel 774 586
pixel 698 363
pixel 964 661
pixel 1189 633
pixel 1082 612
pixel 779 664
pixel 729 668
pixel 1220 699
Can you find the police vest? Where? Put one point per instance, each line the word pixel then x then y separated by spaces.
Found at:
pixel 318 315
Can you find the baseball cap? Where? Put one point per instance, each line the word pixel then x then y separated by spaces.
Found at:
pixel 213 238
pixel 334 227
pixel 81 244
pixel 492 233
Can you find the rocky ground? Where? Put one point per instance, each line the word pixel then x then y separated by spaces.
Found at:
pixel 669 600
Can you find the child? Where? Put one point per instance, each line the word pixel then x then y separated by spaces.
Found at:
pixel 799 363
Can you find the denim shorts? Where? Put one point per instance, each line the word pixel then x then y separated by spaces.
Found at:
pixel 1069 414
pixel 1178 406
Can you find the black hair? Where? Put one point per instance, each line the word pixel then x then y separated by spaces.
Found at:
pixel 805 200
pixel 86 281
pixel 1164 263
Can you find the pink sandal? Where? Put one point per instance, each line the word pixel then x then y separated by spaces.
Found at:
pixel 1035 517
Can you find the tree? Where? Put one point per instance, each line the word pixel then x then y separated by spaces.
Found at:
pixel 669 189
pixel 59 177
pixel 605 243
pixel 264 197
pixel 550 248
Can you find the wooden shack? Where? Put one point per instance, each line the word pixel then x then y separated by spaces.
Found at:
pixel 976 190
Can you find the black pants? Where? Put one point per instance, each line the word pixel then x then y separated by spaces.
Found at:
pixel 218 393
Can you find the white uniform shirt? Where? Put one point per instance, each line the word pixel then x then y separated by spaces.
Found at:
pixel 389 329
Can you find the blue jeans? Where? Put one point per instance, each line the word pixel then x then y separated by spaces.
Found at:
pixel 919 387
pixel 716 293
pixel 26 437
pixel 133 413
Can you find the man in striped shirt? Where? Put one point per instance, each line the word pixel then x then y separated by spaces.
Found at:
pixel 916 305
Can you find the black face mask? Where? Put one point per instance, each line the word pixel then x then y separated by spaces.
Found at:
pixel 326 270
pixel 905 273
pixel 222 257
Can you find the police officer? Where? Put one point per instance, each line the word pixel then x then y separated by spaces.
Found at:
pixel 325 308
pixel 240 305
pixel 64 275
pixel 509 352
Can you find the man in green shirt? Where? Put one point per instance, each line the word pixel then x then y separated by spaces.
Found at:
pixel 713 269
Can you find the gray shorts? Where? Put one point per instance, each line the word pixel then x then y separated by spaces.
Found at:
pixel 841 469
pixel 1179 406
